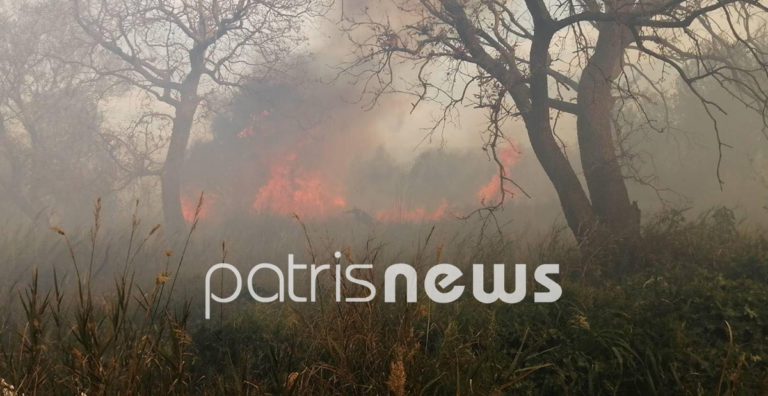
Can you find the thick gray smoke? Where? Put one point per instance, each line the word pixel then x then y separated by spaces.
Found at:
pixel 300 141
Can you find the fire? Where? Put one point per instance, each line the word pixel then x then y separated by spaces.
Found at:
pixel 491 190
pixel 292 185
pixel 401 215
pixel 189 207
pixel 290 190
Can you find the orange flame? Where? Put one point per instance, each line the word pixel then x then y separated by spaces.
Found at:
pixel 491 190
pixel 189 206
pixel 291 191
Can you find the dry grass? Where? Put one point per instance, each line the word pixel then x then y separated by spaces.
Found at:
pixel 690 318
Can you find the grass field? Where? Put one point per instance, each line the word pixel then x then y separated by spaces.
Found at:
pixel 684 310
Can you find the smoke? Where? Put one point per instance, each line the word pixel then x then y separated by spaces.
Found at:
pixel 684 166
pixel 298 145
pixel 302 142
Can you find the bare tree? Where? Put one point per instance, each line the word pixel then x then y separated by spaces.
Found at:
pixel 539 61
pixel 178 51
pixel 49 122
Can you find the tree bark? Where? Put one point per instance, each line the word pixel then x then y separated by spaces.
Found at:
pixel 171 176
pixel 575 204
pixel 602 171
pixel 533 103
pixel 183 119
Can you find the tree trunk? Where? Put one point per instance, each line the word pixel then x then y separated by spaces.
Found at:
pixel 576 206
pixel 174 161
pixel 602 171
pixel 15 186
pixel 573 200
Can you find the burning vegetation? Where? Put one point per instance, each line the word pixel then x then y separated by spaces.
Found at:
pixel 237 131
pixel 322 161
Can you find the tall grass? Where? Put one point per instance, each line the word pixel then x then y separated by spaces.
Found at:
pixel 131 340
pixel 682 311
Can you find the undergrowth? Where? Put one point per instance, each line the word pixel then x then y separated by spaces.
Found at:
pixel 687 314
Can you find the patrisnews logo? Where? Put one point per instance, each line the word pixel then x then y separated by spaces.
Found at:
pixel 441 283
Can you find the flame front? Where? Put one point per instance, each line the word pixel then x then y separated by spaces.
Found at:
pixel 308 179
pixel 290 190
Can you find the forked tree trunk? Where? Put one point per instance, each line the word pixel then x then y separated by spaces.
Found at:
pixel 607 188
pixel 608 207
pixel 576 206
pixel 534 108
